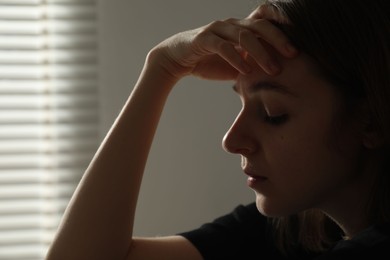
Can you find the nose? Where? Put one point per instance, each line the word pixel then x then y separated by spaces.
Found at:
pixel 239 138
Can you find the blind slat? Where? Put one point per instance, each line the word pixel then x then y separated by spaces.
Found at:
pixel 40 131
pixel 21 176
pixel 42 160
pixel 37 42
pixel 46 145
pixel 48 116
pixel 47 56
pixel 40 27
pixel 37 2
pixel 29 221
pixel 48 101
pixel 53 11
pixel 30 191
pixel 32 206
pixel 23 251
pixel 47 71
pixel 57 86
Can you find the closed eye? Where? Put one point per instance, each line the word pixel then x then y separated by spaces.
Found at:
pixel 276 120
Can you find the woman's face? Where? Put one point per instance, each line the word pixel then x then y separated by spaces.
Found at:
pixel 297 151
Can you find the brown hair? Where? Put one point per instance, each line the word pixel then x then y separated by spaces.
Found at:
pixel 350 42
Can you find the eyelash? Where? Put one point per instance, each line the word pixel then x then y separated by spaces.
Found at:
pixel 276 120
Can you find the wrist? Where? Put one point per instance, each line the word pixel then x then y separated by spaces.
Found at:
pixel 155 78
pixel 158 60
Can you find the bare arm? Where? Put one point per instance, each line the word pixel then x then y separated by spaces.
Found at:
pixel 101 213
pixel 98 222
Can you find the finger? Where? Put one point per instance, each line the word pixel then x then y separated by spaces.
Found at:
pixel 231 32
pixel 269 12
pixel 255 14
pixel 248 41
pixel 267 31
pixel 210 43
pixel 221 69
pixel 257 49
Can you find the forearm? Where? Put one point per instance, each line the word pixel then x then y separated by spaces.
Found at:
pixel 99 220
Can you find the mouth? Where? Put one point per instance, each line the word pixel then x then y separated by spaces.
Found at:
pixel 254 179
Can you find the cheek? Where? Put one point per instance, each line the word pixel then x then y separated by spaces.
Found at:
pixel 305 144
pixel 307 162
pixel 296 148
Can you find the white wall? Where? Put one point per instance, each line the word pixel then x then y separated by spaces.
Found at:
pixel 189 179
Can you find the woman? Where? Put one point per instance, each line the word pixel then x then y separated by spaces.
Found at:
pixel 313 135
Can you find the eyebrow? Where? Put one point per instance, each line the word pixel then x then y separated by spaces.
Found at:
pixel 268 85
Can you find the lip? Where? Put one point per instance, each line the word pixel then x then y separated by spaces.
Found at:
pixel 251 173
pixel 254 179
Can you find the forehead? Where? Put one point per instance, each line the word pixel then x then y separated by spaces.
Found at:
pixel 267 85
pixel 299 77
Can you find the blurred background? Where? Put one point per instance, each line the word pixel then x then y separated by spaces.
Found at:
pixel 66 69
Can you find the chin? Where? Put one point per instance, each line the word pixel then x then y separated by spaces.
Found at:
pixel 273 209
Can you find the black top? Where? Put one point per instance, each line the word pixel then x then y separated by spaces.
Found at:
pixel 246 234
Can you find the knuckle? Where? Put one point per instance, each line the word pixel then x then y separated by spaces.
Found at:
pixel 215 24
pixel 231 20
pixel 207 29
pixel 201 35
pixel 263 9
pixel 260 22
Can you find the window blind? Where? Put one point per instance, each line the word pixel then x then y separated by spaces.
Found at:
pixel 48 116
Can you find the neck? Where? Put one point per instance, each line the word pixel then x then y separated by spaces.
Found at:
pixel 349 206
